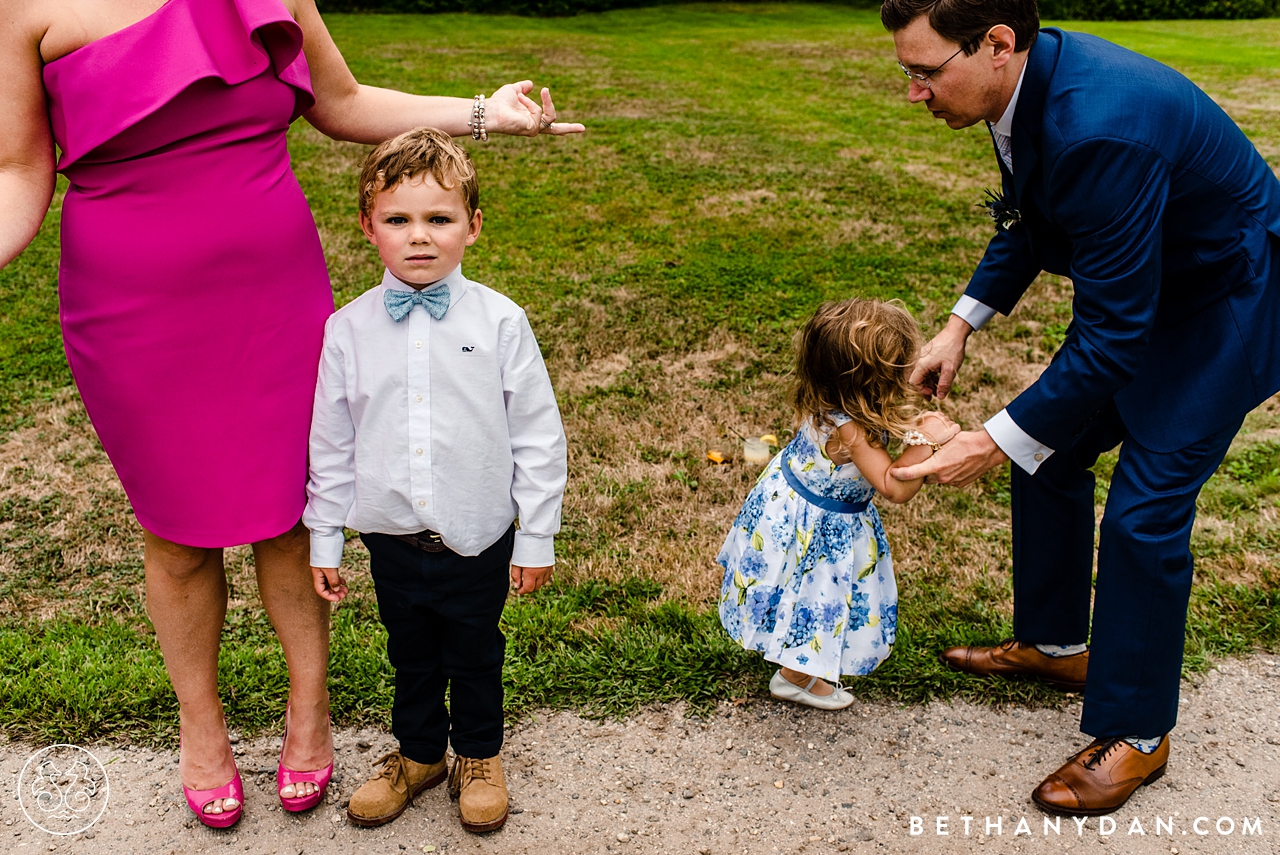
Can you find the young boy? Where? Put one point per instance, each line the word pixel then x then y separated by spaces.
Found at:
pixel 435 426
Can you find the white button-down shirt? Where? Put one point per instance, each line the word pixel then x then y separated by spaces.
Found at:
pixel 449 425
pixel 1022 448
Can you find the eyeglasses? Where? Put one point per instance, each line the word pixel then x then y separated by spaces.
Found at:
pixel 922 77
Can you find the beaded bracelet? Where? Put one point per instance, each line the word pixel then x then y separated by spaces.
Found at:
pixel 915 437
pixel 477 120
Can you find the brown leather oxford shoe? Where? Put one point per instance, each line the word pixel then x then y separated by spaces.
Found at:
pixel 1014 659
pixel 1100 778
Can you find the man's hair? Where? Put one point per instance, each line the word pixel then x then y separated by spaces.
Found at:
pixel 414 153
pixel 966 22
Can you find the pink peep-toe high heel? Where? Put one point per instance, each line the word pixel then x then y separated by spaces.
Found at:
pixel 286 776
pixel 198 800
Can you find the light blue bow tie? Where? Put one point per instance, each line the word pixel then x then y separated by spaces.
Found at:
pixel 400 303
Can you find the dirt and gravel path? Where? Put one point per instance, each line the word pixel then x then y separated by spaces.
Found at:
pixel 763 777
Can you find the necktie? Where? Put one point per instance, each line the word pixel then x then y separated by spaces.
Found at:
pixel 400 303
pixel 1004 145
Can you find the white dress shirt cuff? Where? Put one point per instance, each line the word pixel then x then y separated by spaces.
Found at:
pixel 326 547
pixel 972 312
pixel 1022 449
pixel 533 551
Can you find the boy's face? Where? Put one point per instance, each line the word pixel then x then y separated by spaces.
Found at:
pixel 421 229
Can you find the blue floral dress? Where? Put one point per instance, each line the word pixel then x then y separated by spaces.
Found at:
pixel 808 579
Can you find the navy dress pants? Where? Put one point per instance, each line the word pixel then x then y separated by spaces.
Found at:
pixel 1144 568
pixel 441 612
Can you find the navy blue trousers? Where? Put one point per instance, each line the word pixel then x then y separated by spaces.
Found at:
pixel 1144 568
pixel 441 612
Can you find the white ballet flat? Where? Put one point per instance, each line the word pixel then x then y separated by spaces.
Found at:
pixel 785 690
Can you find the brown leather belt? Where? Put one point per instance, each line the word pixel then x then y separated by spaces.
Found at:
pixel 427 541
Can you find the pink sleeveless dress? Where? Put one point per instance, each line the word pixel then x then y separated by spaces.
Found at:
pixel 192 286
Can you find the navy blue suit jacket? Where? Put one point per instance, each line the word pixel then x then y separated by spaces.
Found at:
pixel 1136 185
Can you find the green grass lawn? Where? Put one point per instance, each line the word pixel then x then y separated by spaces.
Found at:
pixel 742 164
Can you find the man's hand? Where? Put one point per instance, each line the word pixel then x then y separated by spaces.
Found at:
pixel 329 583
pixel 958 463
pixel 940 359
pixel 526 580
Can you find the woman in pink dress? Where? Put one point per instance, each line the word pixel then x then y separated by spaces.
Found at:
pixel 193 296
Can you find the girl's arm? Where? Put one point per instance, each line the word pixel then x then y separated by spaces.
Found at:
pixel 26 146
pixel 348 110
pixel 874 463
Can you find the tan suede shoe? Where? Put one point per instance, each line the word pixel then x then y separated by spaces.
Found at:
pixel 1015 659
pixel 481 791
pixel 1100 779
pixel 384 797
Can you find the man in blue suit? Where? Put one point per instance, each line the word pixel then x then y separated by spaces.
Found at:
pixel 1121 174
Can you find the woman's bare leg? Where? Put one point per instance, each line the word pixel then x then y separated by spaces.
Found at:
pixel 187 603
pixel 301 621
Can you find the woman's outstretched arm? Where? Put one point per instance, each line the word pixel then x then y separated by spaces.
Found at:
pixel 26 145
pixel 348 110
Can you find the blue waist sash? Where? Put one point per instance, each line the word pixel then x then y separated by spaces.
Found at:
pixel 813 498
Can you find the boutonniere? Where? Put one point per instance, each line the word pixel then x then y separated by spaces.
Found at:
pixel 1001 210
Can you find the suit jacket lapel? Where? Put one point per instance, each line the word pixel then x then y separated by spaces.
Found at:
pixel 1028 116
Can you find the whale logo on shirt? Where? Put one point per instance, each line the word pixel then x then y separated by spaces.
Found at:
pixel 467 349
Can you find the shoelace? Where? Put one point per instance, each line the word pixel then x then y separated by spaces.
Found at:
pixel 1100 753
pixel 475 770
pixel 393 765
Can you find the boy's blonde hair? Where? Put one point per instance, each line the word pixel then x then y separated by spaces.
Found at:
pixel 414 153
pixel 855 357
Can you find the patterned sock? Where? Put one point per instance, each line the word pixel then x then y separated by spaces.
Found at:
pixel 1146 746
pixel 1057 651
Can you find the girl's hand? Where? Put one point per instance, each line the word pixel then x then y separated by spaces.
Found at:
pixel 526 580
pixel 329 583
pixel 510 110
pixel 938 428
pixel 934 418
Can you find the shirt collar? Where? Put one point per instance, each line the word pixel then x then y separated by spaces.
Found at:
pixel 1005 125
pixel 455 280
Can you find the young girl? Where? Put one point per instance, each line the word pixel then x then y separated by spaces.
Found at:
pixel 808 581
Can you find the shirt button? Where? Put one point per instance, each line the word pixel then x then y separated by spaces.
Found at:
pixel 419 451
pixel 418 399
pixel 1039 456
pixel 417 344
pixel 422 503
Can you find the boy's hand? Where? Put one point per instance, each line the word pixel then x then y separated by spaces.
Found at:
pixel 329 583
pixel 526 580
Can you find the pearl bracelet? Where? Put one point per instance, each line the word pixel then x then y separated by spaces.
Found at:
pixel 915 437
pixel 477 120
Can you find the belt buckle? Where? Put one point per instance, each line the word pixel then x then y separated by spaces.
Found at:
pixel 430 541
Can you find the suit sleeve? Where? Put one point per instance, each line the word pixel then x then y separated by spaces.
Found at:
pixel 1109 196
pixel 1006 271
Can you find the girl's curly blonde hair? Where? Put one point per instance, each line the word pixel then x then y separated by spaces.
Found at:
pixel 855 357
